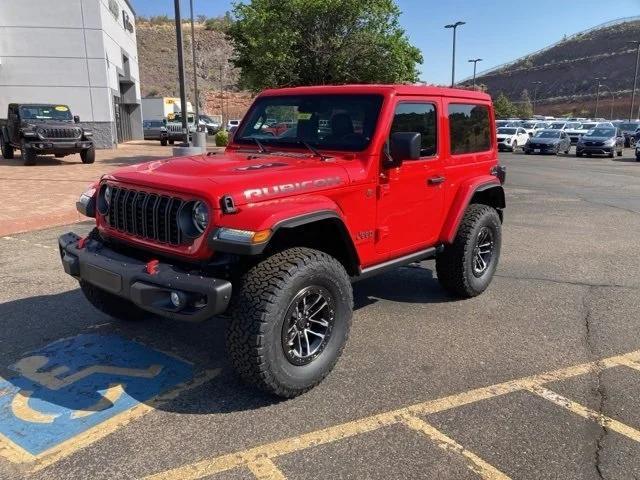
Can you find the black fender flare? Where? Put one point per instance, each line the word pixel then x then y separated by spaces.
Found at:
pixel 281 227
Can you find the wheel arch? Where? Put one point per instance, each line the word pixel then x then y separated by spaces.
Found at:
pixel 324 231
pixel 486 191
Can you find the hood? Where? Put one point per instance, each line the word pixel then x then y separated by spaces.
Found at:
pixel 246 177
pixel 49 124
pixel 597 139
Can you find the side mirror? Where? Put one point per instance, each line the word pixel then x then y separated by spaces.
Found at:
pixel 403 146
pixel 76 119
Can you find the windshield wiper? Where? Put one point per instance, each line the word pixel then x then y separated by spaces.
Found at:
pixel 261 147
pixel 312 149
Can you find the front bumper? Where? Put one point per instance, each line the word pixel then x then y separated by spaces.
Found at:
pixel 49 146
pixel 129 278
pixel 595 150
pixel 540 148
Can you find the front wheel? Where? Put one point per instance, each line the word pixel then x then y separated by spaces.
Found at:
pixel 290 321
pixel 465 268
pixel 163 142
pixel 619 153
pixel 28 154
pixel 6 148
pixel 88 155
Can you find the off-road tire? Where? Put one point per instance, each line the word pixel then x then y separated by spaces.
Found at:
pixel 619 152
pixel 163 142
pixel 88 156
pixel 454 265
pixel 579 154
pixel 172 142
pixel 111 304
pixel 6 149
pixel 28 154
pixel 258 310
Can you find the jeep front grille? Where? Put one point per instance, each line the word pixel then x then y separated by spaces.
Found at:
pixel 147 215
pixel 59 132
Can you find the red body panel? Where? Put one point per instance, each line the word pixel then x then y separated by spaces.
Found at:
pixel 388 212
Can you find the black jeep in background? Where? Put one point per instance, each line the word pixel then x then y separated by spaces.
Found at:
pixel 41 129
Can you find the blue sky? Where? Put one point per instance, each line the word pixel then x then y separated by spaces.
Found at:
pixel 496 31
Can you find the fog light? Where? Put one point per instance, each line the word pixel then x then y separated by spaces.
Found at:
pixel 177 299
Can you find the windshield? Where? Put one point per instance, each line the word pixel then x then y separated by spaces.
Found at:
pixel 587 126
pixel 629 126
pixel 546 134
pixel 507 131
pixel 177 118
pixel 334 122
pixel 557 126
pixel 45 112
pixel 601 132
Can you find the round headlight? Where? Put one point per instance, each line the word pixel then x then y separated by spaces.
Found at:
pixel 200 216
pixel 104 199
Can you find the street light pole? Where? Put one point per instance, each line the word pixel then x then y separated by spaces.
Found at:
pixel 475 62
pixel 453 59
pixel 535 95
pixel 195 68
pixel 595 115
pixel 635 77
pixel 183 93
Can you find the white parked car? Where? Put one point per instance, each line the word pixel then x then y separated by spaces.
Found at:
pixel 510 138
pixel 577 132
pixel 532 126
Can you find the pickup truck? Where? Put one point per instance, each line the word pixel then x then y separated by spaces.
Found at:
pixel 273 231
pixel 44 129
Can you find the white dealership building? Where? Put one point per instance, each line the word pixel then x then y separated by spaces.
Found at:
pixel 82 53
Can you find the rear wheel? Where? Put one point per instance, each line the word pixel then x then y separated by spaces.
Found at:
pixel 88 155
pixel 619 153
pixel 290 321
pixel 466 267
pixel 172 142
pixel 28 154
pixel 111 304
pixel 6 148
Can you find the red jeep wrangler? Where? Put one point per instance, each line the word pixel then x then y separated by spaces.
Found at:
pixel 273 231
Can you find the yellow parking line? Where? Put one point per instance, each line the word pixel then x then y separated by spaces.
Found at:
pixel 222 463
pixel 586 412
pixel 265 469
pixel 475 463
pixel 627 362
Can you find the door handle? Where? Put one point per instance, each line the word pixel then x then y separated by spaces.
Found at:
pixel 436 180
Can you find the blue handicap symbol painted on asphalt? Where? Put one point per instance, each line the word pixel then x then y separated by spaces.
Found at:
pixel 72 385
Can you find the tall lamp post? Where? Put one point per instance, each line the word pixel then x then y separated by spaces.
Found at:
pixel 195 68
pixel 635 77
pixel 535 95
pixel 453 59
pixel 183 93
pixel 598 94
pixel 475 62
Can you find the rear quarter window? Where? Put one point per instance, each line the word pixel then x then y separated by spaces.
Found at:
pixel 469 128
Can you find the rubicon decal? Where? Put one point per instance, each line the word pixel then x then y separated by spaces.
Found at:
pixel 291 187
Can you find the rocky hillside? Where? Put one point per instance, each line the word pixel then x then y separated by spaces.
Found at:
pixel 216 77
pixel 568 70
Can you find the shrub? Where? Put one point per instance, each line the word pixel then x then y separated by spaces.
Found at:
pixel 222 138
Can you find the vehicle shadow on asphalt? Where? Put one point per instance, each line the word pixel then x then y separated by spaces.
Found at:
pixel 33 322
pixel 414 283
pixel 48 161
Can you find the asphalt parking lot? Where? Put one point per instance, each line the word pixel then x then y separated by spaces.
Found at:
pixel 539 377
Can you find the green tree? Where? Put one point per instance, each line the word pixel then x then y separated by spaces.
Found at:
pixel 525 109
pixel 314 42
pixel 504 108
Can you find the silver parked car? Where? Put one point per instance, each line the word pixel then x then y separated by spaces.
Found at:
pixel 154 129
